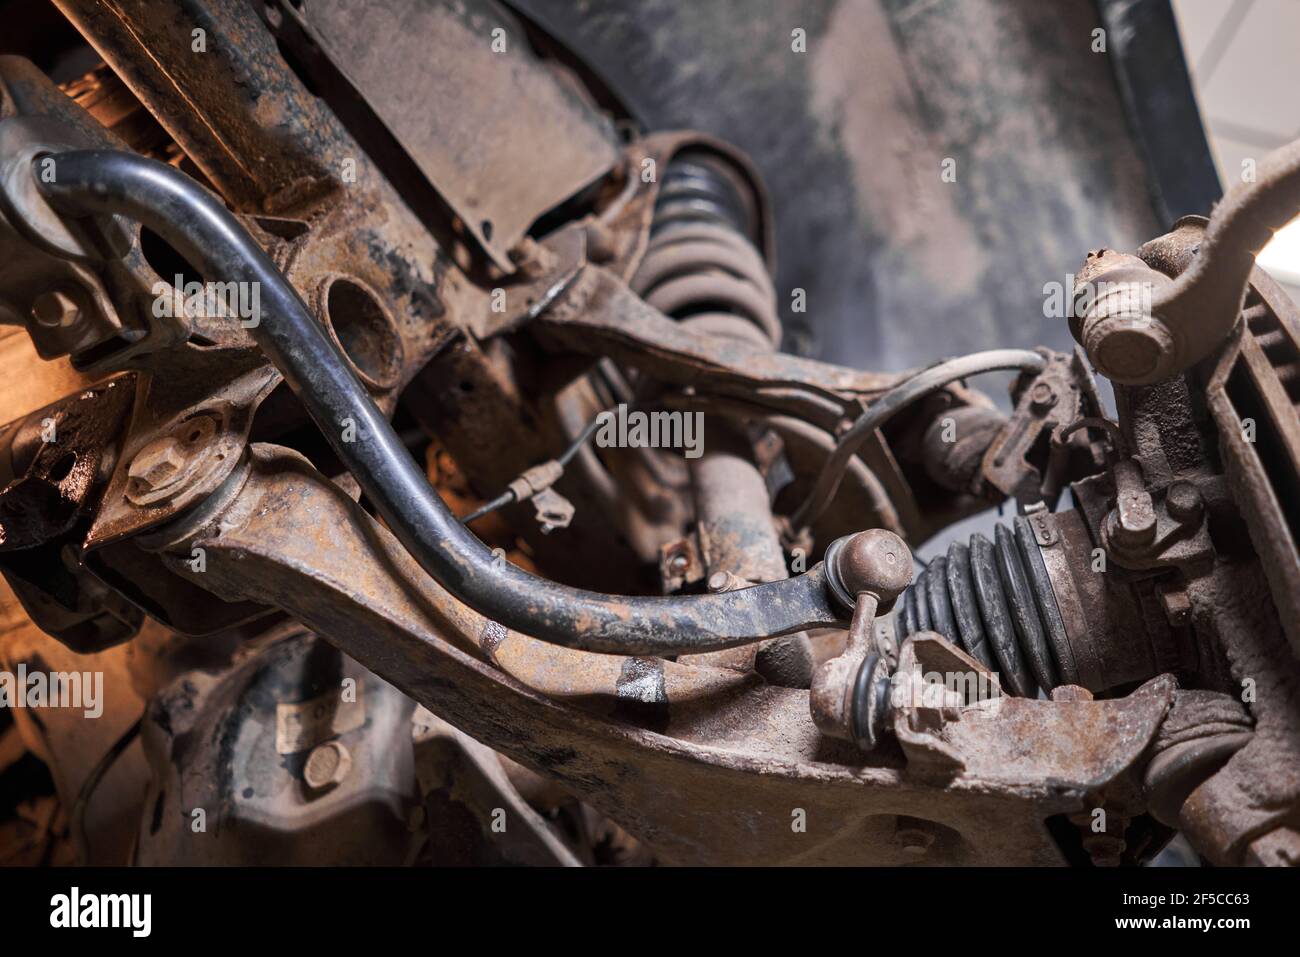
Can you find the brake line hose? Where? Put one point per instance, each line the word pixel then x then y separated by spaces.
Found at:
pixel 210 238
pixel 917 386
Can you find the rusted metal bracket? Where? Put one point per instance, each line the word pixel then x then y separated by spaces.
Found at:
pixel 489 124
pixel 1145 329
pixel 1025 460
pixel 951 718
pixel 598 315
pixel 693 735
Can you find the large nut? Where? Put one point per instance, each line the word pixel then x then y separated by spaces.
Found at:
pixel 158 463
pixel 168 464
pixel 55 310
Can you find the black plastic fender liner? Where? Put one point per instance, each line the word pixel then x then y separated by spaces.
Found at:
pixel 201 229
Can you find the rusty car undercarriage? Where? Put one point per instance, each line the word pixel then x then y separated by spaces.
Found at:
pixel 414 456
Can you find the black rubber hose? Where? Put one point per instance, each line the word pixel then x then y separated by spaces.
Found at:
pixel 204 232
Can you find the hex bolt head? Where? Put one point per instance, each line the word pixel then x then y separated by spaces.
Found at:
pixel 1042 397
pixel 157 463
pixel 55 310
pixel 725 581
pixel 166 465
pixel 1133 520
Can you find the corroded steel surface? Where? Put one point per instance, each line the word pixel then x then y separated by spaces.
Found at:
pixel 669 769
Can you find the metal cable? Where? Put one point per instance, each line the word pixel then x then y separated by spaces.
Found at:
pixel 895 400
pixel 564 458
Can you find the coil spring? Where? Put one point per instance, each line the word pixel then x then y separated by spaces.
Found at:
pixel 994 600
pixel 700 265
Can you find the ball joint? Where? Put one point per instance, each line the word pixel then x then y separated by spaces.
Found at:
pixel 866 572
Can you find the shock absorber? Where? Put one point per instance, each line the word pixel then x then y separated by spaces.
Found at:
pixel 702 268
pixel 995 600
